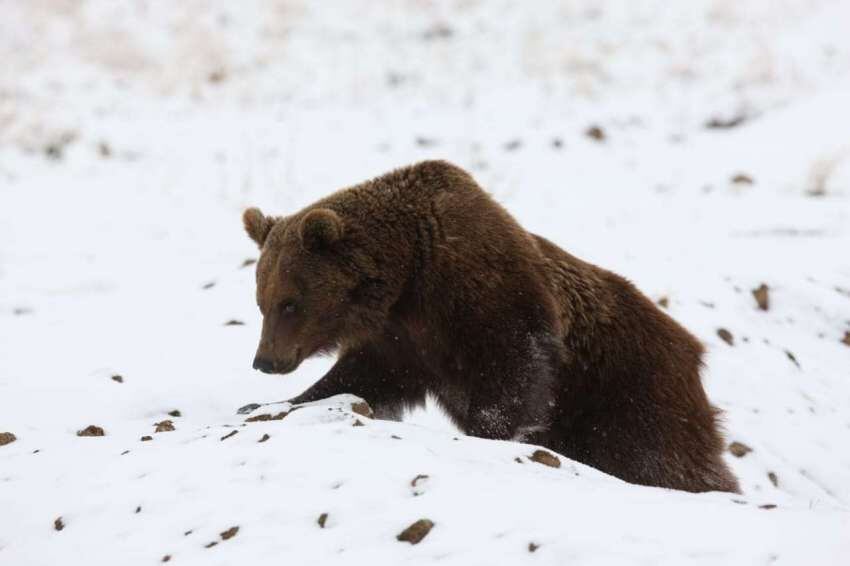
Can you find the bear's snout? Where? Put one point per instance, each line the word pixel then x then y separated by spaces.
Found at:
pixel 264 365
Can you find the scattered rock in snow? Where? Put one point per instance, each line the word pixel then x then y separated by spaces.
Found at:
pixel 164 426
pixel 846 339
pixel 773 478
pixel 596 133
pixel 742 179
pixel 422 141
pixel 117 378
pixel 7 438
pixel 248 262
pixel 139 509
pixel 533 546
pixel 739 449
pixel 211 544
pixel 416 532
pixel 104 149
pixel 217 76
pixel 792 357
pixel 726 336
pixel 58 524
pixel 146 438
pixel 264 438
pixel 513 145
pixel 545 458
pixel 418 484
pixel 362 408
pixel 557 143
pixel 518 460
pixel 91 430
pixel 664 302
pixel 229 533
pixel 322 520
pixel 725 123
pixel 768 506
pixel 166 558
pixel 208 285
pixel 175 413
pixel 267 417
pixel 20 311
pixel 229 434
pixel 234 322
pixel 245 409
pixel 762 296
pixel 357 422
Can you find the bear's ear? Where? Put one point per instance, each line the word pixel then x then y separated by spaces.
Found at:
pixel 320 228
pixel 257 225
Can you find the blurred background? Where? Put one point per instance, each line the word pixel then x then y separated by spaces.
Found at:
pixel 699 148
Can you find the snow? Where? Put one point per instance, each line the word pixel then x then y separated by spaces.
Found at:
pixel 133 134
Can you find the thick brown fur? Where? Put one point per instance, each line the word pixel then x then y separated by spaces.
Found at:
pixel 425 285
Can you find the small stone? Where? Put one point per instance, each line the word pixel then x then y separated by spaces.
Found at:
pixel 245 409
pixel 532 546
pixel 175 413
pixel 139 509
pixel 248 262
pixel 216 76
pixel 846 339
pixel 792 357
pixel 664 302
pixel 234 322
pixel 164 426
pixel 773 478
pixel 395 437
pixel 166 558
pixel 557 143
pixel 742 179
pixel 104 149
pixel 7 438
pixel 595 133
pixel 513 145
pixel 229 434
pixel 762 296
pixel 323 518
pixel 211 544
pixel 362 408
pixel 146 438
pixel 416 532
pixel 58 524
pixel 518 460
pixel 187 533
pixel 739 449
pixel 267 417
pixel 726 336
pixel 264 438
pixel 91 430
pixel 725 123
pixel 357 422
pixel 117 378
pixel 545 458
pixel 208 285
pixel 422 141
pixel 229 533
pixel 768 506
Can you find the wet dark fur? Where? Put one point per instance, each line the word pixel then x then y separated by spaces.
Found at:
pixel 444 293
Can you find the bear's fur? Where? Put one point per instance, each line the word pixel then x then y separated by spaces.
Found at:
pixel 424 284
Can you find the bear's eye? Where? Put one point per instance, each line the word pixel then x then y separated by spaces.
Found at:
pixel 288 307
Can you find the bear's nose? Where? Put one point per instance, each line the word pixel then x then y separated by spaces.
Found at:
pixel 263 364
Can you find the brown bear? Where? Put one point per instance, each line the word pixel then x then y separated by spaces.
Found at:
pixel 425 285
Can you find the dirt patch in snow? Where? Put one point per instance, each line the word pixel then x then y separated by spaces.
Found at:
pixel 416 532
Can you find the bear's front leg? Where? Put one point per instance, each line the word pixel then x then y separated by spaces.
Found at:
pixel 379 373
pixel 513 396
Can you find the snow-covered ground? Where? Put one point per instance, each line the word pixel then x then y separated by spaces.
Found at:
pixel 132 134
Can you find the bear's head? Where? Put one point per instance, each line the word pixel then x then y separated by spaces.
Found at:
pixel 314 285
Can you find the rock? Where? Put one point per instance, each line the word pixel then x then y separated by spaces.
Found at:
pixel 211 544
pixel 846 339
pixel 164 426
pixel 229 434
pixel 267 417
pixel 357 422
pixel 773 478
pixel 58 524
pixel 117 378
pixel 557 143
pixel 166 558
pixel 248 262
pixel 418 484
pixel 742 179
pixel 725 123
pixel 664 302
pixel 249 408
pixel 208 285
pixel 264 438
pixel 146 438
pixel 596 133
pixel 768 506
pixel 416 532
pixel 726 336
pixel 513 145
pixel 7 438
pixel 532 546
pixel 739 449
pixel 762 296
pixel 422 141
pixel 91 430
pixel 792 357
pixel 362 408
pixel 323 518
pixel 229 533
pixel 234 322
pixel 545 458
pixel 175 413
